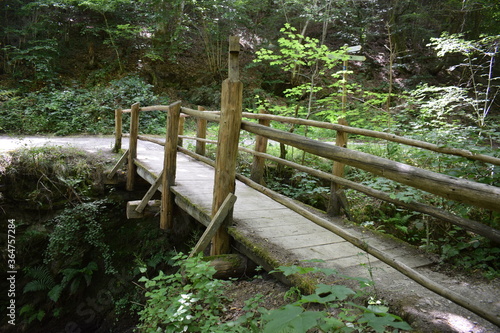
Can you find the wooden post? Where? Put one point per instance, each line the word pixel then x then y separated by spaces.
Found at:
pixel 335 203
pixel 118 130
pixel 258 164
pixel 344 87
pixel 201 132
pixel 180 130
pixel 228 140
pixel 132 149
pixel 169 166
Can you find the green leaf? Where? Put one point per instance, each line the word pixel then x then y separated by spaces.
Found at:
pixel 379 323
pixel 55 293
pixel 291 317
pixel 337 291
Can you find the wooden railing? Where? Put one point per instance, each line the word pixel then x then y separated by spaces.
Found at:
pixel 461 190
pixel 231 123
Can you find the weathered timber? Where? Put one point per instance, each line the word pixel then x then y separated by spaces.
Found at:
pixel 207 115
pixel 152 208
pixel 380 135
pixel 153 140
pixel 258 163
pixel 151 108
pixel 381 255
pixel 335 202
pixel 480 195
pixel 132 148
pixel 227 152
pixel 231 266
pixel 149 194
pixel 214 116
pixel 118 130
pixel 118 165
pixel 146 174
pixel 443 215
pixel 467 224
pixel 201 132
pixel 180 131
pixel 199 139
pixel 198 157
pixel 214 225
pixel 198 213
pixel 169 166
pixel 474 226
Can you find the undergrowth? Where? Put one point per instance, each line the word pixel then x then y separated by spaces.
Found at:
pixel 191 300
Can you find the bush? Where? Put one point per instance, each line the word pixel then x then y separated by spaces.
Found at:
pixel 77 110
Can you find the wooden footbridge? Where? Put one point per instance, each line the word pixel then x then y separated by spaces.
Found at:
pixel 241 214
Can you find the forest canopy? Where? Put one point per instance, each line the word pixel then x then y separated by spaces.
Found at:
pixel 434 60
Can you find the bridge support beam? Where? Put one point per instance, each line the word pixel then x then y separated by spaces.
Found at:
pixel 227 152
pixel 169 166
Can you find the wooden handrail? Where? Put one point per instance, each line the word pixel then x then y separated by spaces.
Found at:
pixel 477 194
pixel 215 116
pixel 378 135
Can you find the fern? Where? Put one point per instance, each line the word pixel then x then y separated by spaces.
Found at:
pixel 55 293
pixel 30 313
pixel 42 279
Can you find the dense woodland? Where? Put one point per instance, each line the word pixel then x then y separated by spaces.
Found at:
pixel 423 69
pixel 66 50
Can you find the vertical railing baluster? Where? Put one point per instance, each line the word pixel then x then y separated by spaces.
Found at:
pixel 201 132
pixel 335 203
pixel 132 148
pixel 170 166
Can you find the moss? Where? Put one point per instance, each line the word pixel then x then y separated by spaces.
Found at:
pixel 305 282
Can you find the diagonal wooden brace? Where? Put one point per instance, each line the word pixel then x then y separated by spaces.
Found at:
pixel 214 225
pixel 149 194
pixel 118 165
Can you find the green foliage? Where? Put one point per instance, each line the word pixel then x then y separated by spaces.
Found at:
pixel 303 187
pixel 469 253
pixel 42 279
pixel 308 61
pixel 77 233
pixel 191 301
pixel 51 176
pixel 38 56
pixel 78 110
pixel 478 66
pixel 186 301
pixel 437 105
pixel 31 313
